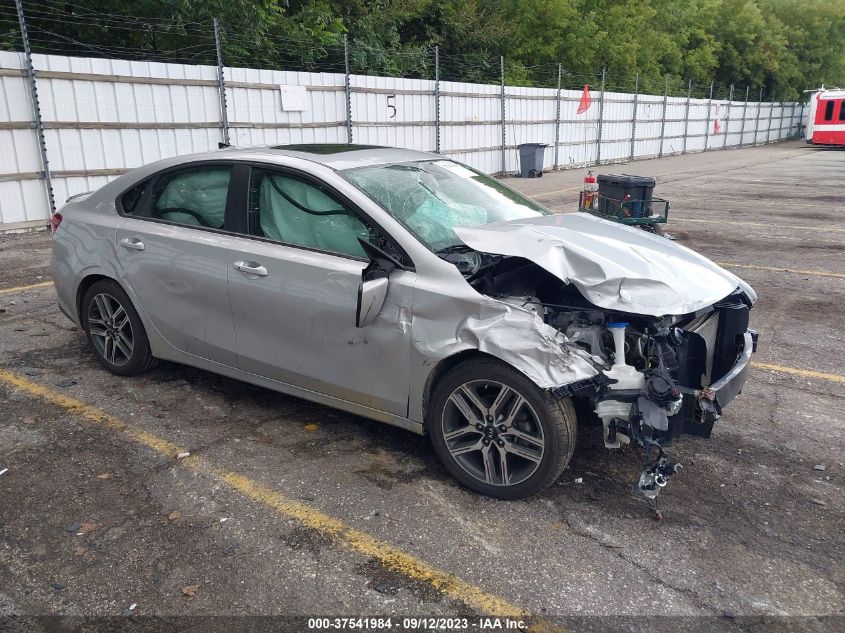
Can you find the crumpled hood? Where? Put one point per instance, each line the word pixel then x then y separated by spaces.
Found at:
pixel 614 266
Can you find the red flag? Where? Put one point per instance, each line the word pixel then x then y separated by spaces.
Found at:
pixel 586 100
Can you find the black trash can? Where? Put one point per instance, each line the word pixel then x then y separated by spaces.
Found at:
pixel 531 159
pixel 614 188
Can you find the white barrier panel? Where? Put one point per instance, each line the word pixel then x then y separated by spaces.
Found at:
pixel 103 117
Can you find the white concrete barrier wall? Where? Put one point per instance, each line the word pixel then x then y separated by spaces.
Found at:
pixel 103 117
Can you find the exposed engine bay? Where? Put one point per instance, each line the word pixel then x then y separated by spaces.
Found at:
pixel 656 374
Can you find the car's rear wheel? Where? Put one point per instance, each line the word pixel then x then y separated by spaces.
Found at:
pixel 497 433
pixel 114 330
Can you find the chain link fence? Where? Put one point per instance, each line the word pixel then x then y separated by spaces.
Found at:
pixel 78 110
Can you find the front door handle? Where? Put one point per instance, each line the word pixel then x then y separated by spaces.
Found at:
pixel 132 243
pixel 251 268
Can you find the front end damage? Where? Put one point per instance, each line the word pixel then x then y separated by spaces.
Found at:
pixel 657 376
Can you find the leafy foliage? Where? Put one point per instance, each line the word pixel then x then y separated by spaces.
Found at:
pixel 781 46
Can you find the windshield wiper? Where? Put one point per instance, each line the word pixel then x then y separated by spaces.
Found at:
pixel 454 248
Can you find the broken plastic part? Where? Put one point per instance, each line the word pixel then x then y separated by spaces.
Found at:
pixel 655 476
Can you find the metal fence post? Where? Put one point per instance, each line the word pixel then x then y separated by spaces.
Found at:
pixel 663 115
pixel 709 108
pixel 769 124
pixel 36 109
pixel 728 117
pixel 348 86
pixel 791 119
pixel 780 125
pixel 601 117
pixel 769 128
pixel 757 120
pixel 436 99
pixel 557 114
pixel 221 85
pixel 744 110
pixel 789 125
pixel 504 137
pixel 686 117
pixel 634 116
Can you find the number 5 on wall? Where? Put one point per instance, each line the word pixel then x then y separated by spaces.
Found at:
pixel 391 105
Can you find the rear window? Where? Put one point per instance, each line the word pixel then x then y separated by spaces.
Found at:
pixel 131 200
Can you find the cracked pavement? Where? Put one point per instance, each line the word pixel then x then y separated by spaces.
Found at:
pixel 751 528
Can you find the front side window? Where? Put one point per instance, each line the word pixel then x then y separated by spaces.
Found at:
pixel 842 110
pixel 193 197
pixel 431 198
pixel 291 210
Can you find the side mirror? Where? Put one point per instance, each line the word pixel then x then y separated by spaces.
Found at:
pixel 371 295
pixel 373 288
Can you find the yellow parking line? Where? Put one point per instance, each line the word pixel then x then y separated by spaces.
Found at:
pixel 823 228
pixel 43 284
pixel 356 540
pixel 551 193
pixel 778 269
pixel 806 373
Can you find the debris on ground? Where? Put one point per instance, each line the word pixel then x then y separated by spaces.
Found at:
pixel 86 528
pixel 67 382
pixel 579 480
pixel 80 551
pixel 183 455
pixel 104 476
pixel 57 586
pixel 819 467
pixel 174 515
pixel 818 502
pixel 311 427
pixel 4 471
pixel 190 590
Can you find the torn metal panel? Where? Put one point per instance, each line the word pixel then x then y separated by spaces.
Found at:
pixel 613 266
pixel 444 326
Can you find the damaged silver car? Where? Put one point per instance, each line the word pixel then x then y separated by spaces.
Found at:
pixel 412 290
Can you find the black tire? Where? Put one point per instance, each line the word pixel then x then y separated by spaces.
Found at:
pixel 140 359
pixel 555 419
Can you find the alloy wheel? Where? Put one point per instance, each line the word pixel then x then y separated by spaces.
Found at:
pixel 110 329
pixel 492 432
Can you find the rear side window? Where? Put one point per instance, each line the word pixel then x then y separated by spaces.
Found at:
pixel 193 197
pixel 842 110
pixel 828 110
pixel 131 201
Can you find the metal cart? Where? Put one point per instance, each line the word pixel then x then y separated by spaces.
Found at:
pixel 649 214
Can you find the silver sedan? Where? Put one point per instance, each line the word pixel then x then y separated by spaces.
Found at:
pixel 413 290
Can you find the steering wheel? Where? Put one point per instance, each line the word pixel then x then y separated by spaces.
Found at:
pixel 187 211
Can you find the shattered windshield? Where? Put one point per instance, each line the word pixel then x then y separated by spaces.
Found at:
pixel 432 198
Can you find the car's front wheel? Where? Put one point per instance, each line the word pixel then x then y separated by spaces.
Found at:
pixel 498 433
pixel 114 329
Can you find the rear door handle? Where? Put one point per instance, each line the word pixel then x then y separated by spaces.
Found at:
pixel 251 268
pixel 132 243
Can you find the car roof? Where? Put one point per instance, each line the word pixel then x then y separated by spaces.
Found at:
pixel 338 156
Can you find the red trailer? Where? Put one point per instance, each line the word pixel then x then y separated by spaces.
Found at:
pixel 826 119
